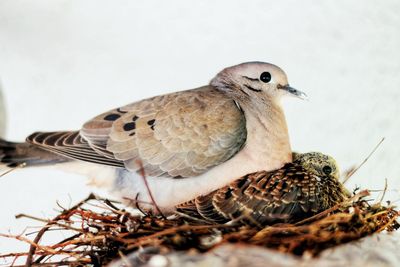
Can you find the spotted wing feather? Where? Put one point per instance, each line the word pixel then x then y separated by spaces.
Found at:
pixel 177 135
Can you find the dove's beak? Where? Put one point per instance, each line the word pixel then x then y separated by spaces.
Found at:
pixel 293 91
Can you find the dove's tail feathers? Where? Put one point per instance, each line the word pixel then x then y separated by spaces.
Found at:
pixel 14 155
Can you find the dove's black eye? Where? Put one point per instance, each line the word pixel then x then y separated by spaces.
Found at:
pixel 327 170
pixel 265 77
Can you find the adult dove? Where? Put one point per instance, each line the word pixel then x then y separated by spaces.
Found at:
pixel 188 143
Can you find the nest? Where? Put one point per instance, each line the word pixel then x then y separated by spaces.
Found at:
pixel 100 231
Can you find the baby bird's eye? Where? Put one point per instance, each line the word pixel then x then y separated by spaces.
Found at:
pixel 265 77
pixel 327 170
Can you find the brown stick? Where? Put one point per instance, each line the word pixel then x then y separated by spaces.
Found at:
pixel 19 166
pixel 32 243
pixel 143 174
pixel 186 227
pixel 362 163
pixel 32 249
pixel 52 222
pixel 384 191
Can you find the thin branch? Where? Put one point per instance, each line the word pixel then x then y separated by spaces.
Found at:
pixel 183 215
pixel 52 222
pixel 143 175
pixel 384 191
pixel 19 166
pixel 32 249
pixel 186 227
pixel 138 206
pixel 30 242
pixel 362 163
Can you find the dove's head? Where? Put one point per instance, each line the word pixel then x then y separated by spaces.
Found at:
pixel 255 80
pixel 318 164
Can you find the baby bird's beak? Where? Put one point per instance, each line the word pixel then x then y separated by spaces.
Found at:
pixel 293 91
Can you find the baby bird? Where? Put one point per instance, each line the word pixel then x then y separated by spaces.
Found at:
pixel 189 142
pixel 305 187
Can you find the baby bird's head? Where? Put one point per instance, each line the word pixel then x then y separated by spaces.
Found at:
pixel 319 164
pixel 253 81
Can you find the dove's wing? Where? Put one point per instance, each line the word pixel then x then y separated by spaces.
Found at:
pixel 177 135
pixel 72 145
pixel 260 198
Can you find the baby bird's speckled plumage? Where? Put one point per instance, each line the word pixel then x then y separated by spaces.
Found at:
pixel 300 189
pixel 189 143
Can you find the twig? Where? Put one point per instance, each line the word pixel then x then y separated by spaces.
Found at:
pixel 63 241
pixel 136 201
pixel 362 163
pixel 111 204
pixel 32 243
pixel 52 222
pixel 143 175
pixel 183 215
pixel 19 166
pixel 32 249
pixel 147 239
pixel 384 191
pixel 137 205
pixel 383 227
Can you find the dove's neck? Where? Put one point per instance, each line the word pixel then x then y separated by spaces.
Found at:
pixel 267 141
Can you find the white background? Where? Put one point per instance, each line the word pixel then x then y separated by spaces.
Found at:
pixel 65 61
